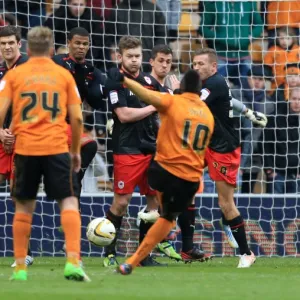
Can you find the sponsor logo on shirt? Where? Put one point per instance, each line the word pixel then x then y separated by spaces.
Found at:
pixel 113 95
pixel 204 94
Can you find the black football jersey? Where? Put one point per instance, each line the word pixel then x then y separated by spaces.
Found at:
pixel 3 69
pixel 128 137
pixel 89 80
pixel 216 94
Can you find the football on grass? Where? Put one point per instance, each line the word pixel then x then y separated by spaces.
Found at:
pixel 101 232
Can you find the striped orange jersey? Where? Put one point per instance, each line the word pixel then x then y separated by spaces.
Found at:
pixel 185 131
pixel 40 91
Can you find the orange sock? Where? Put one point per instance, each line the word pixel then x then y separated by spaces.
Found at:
pixel 159 230
pixel 71 224
pixel 21 233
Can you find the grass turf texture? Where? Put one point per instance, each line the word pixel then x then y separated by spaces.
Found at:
pixel 269 278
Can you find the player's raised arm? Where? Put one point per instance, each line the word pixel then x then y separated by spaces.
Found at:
pixel 76 121
pixel 148 96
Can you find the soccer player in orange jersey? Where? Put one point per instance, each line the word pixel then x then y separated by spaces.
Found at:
pixel 186 128
pixel 41 94
pixel 10 44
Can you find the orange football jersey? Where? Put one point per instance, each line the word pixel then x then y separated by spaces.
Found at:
pixel 40 91
pixel 185 131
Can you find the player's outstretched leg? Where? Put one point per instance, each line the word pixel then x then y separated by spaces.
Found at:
pixel 190 252
pixel 71 223
pixel 156 233
pixel 144 226
pixel 235 221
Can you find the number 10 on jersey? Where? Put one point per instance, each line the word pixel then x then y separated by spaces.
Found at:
pixel 196 138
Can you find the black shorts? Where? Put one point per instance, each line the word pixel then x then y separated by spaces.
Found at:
pixel 177 193
pixel 59 179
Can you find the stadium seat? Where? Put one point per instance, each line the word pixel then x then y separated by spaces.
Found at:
pixel 189 5
pixel 189 24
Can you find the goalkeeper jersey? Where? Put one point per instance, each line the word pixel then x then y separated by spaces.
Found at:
pixel 217 95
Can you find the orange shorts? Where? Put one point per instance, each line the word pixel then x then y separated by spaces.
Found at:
pixel 131 171
pixel 223 166
pixel 85 138
pixel 6 163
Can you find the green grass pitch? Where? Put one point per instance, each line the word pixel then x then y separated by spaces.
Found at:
pixel 269 278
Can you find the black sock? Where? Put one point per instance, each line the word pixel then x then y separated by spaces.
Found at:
pixel 144 227
pixel 186 221
pixel 224 221
pixel 117 221
pixel 238 230
pixel 87 153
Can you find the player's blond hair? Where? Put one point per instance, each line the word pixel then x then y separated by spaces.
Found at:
pixel 212 54
pixel 40 40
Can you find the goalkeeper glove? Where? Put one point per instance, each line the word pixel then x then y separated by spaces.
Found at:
pixel 110 126
pixel 257 118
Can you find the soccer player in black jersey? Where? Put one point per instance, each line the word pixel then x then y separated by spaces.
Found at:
pixel 223 153
pixel 10 44
pixel 133 140
pixel 90 83
pixel 161 62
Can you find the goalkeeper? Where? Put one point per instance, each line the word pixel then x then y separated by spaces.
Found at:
pixel 223 154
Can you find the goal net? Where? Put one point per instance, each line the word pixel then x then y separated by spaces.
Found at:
pixel 246 36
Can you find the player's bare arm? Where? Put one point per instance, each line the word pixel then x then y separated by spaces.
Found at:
pixel 150 97
pixel 130 114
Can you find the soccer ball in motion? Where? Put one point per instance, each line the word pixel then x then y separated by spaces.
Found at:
pixel 101 232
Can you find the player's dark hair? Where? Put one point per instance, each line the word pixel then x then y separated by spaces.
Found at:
pixel 129 42
pixel 165 49
pixel 191 83
pixel 11 30
pixel 212 54
pixel 78 31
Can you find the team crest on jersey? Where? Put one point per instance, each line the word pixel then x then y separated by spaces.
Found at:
pixel 223 170
pixel 121 185
pixel 113 97
pixel 148 80
pixel 204 94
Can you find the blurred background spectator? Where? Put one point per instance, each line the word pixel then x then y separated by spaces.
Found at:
pixel 285 51
pixel 139 18
pixel 172 12
pixel 254 95
pixel 282 146
pixel 103 8
pixel 280 14
pixel 229 27
pixel 77 14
